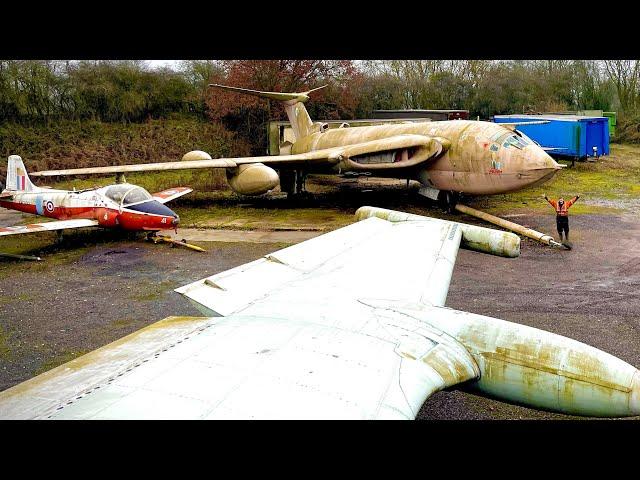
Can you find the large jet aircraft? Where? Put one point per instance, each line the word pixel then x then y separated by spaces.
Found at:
pixel 458 156
pixel 350 324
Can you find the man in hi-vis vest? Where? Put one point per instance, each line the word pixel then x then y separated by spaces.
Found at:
pixel 562 215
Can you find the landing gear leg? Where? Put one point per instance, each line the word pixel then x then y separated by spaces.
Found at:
pixel 59 237
pixel 301 180
pixel 451 200
pixel 293 183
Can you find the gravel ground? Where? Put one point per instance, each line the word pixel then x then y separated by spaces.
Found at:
pixel 94 289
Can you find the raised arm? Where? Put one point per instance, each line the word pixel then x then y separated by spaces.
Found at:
pixel 573 200
pixel 551 202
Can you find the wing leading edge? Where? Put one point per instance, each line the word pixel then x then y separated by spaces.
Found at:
pixel 428 147
pixel 308 334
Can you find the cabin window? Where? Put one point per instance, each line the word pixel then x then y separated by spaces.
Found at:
pixel 127 194
pixel 515 141
pixel 117 192
pixel 136 195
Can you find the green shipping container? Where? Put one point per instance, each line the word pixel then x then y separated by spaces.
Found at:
pixel 613 119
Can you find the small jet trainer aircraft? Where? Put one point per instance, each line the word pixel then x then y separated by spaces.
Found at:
pixel 457 156
pixel 121 205
pixel 350 324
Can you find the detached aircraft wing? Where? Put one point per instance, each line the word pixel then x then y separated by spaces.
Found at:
pixel 47 226
pixel 315 330
pixel 427 148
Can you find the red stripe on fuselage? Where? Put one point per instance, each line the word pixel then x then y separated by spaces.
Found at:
pixel 21 207
pixel 137 221
pixel 59 213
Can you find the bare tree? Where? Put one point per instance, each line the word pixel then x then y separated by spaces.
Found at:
pixel 624 75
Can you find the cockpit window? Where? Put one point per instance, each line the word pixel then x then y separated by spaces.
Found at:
pixel 136 195
pixel 129 193
pixel 515 140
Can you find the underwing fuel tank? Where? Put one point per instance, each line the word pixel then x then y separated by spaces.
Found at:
pixel 481 239
pixel 252 179
pixel 532 367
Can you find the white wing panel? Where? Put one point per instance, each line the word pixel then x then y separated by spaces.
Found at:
pixel 316 338
pixel 277 368
pixel 47 226
pixel 230 291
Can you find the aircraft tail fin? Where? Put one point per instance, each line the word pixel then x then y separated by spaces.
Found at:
pixel 17 177
pixel 293 105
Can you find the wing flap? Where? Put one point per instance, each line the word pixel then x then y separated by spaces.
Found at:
pixel 232 290
pixel 47 226
pixel 407 261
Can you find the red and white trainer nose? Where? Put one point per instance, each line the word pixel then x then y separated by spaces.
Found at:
pixel 150 215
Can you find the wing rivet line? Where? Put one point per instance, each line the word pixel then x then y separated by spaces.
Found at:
pixel 110 380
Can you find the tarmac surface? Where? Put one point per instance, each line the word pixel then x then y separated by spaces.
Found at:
pixel 96 288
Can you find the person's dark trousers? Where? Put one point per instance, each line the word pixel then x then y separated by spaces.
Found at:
pixel 562 223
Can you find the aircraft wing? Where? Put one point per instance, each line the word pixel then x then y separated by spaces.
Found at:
pixel 47 226
pixel 513 125
pixel 309 331
pixel 429 147
pixel 171 194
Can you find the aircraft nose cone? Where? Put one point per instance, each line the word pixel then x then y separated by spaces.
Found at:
pixel 542 160
pixel 538 166
pixel 634 402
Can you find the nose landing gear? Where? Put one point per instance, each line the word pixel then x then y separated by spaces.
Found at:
pixel 448 200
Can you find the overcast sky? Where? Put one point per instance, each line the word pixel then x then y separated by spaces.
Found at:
pixel 162 63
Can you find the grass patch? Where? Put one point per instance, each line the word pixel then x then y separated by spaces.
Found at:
pixel 5 344
pixel 200 180
pixel 153 291
pixel 122 322
pixel 58 360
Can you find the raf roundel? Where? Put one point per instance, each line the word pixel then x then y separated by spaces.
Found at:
pixel 49 206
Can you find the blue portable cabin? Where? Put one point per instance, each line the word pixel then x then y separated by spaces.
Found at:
pixel 567 135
